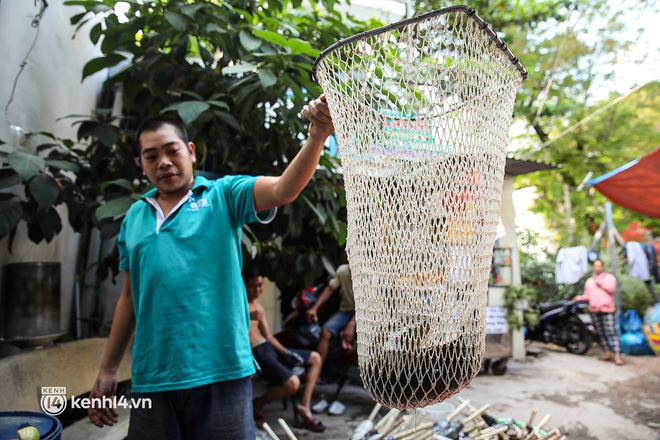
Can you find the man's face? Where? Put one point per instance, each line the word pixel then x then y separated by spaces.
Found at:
pixel 598 266
pixel 254 287
pixel 167 161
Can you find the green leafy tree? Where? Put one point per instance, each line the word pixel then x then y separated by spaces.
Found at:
pixel 623 133
pixel 570 49
pixel 238 74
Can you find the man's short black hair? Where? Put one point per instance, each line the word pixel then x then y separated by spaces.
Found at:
pixel 250 274
pixel 153 123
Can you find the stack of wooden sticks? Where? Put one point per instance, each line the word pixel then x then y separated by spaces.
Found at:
pixel 475 424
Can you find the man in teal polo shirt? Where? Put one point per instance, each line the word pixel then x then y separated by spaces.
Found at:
pixel 183 297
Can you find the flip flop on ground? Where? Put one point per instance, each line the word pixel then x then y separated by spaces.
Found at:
pixel 309 423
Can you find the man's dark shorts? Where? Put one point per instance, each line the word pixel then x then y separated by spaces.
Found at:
pixel 221 410
pixel 274 368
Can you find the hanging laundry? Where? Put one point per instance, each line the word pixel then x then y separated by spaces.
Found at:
pixel 652 256
pixel 571 265
pixel 637 261
pixel 501 231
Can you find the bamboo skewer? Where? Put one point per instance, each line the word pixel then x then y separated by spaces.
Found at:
pixel 385 419
pixel 459 408
pixel 366 426
pixel 287 430
pixel 535 433
pixel 475 414
pixel 374 411
pixel 552 435
pixel 419 419
pixel 403 434
pixel 269 431
pixel 492 432
pixel 531 418
pixel 426 436
pixel 392 427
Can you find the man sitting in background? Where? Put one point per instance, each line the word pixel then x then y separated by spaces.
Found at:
pixel 342 323
pixel 279 365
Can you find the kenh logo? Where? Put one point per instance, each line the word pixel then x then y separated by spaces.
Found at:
pixel 196 204
pixel 53 400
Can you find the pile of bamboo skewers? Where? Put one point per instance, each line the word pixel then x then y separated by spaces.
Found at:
pixel 477 425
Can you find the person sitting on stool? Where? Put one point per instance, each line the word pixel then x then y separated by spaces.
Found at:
pixel 278 364
pixel 342 323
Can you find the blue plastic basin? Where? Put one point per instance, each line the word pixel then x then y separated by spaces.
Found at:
pixel 48 426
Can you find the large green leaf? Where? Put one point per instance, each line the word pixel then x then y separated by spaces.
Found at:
pixel 220 104
pixel 26 164
pixel 267 78
pixel 124 183
pixel 114 208
pixel 238 68
pixel 9 178
pixel 106 133
pixel 248 41
pixel 45 190
pixel 101 63
pixel 50 224
pixel 190 110
pixel 191 10
pixel 178 21
pixel 304 47
pixel 272 37
pixel 110 230
pixel 229 119
pixel 63 165
pixel 319 212
pixel 11 212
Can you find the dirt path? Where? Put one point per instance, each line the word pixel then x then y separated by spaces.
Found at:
pixel 587 398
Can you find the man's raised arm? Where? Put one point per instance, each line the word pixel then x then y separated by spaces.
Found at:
pixel 270 192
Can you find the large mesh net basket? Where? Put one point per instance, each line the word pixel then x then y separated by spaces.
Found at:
pixel 422 110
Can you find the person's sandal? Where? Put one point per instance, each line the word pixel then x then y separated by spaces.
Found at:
pixel 310 424
pixel 259 419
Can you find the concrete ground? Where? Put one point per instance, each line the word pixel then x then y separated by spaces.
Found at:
pixel 587 399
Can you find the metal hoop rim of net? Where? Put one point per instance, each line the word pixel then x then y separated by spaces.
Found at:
pixel 468 11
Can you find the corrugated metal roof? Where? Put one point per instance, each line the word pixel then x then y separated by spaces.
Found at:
pixel 517 167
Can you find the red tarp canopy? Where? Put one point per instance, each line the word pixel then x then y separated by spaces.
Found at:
pixel 635 186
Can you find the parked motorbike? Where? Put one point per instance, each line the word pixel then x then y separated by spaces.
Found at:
pixel 564 323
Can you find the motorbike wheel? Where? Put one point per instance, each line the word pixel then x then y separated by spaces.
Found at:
pixel 578 339
pixel 499 367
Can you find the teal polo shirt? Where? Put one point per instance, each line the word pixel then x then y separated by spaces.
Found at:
pixel 189 297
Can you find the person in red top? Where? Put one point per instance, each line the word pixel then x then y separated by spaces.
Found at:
pixel 599 293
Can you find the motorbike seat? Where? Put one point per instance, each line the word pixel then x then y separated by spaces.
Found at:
pixel 543 308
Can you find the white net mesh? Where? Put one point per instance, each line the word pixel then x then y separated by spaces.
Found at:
pixel 422 115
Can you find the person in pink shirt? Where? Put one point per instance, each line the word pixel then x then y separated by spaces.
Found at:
pixel 599 293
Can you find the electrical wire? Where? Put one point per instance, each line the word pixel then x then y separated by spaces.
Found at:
pixel 594 114
pixel 555 63
pixel 36 22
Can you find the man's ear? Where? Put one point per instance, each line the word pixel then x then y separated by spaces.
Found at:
pixel 191 149
pixel 139 162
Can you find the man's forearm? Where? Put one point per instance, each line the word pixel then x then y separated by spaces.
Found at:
pixel 121 332
pixel 323 298
pixel 300 171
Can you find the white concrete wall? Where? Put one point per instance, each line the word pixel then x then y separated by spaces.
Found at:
pixel 49 88
pixel 270 299
pixel 496 294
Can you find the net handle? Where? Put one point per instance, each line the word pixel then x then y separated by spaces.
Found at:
pixel 470 12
